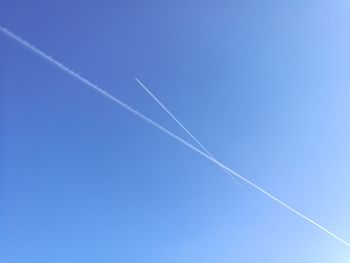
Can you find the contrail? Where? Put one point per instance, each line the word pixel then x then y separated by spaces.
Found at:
pixel 164 130
pixel 154 97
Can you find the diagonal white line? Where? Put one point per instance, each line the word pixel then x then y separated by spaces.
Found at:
pixel 154 97
pixel 164 130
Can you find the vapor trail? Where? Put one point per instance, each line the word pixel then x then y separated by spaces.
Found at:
pixel 161 128
pixel 154 97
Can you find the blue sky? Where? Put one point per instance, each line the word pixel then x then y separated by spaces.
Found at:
pixel 263 85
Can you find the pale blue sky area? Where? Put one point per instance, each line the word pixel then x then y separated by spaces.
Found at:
pixel 264 85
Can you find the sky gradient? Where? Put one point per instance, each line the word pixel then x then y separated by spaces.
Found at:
pixel 264 86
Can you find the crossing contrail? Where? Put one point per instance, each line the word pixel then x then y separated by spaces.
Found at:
pixel 154 97
pixel 164 130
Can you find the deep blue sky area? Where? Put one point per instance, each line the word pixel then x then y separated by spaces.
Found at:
pixel 264 85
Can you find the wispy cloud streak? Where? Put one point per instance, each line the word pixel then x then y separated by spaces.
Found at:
pixel 164 130
pixel 161 104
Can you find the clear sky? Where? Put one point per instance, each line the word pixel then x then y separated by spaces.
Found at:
pixel 264 85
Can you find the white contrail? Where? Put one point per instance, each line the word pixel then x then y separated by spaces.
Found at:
pixel 179 139
pixel 154 97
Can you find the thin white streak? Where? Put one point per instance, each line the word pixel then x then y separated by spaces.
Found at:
pixel 154 97
pixel 161 128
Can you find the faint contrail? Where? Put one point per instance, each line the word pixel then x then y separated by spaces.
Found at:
pixel 154 97
pixel 179 139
